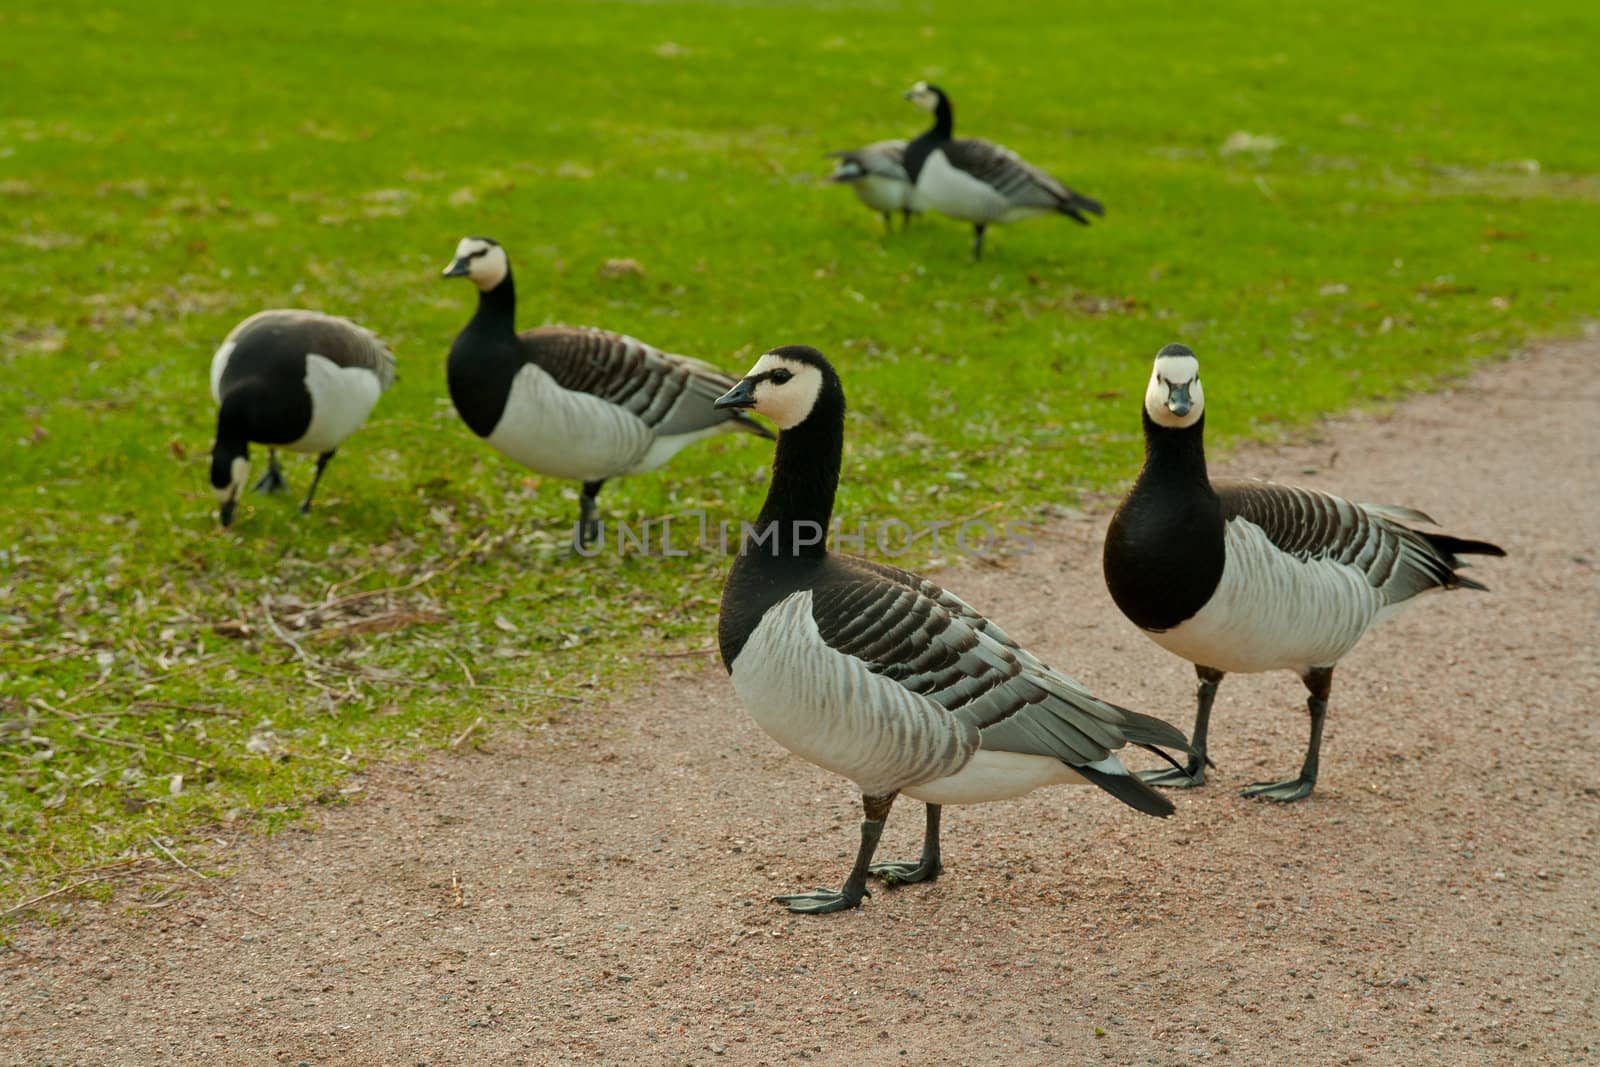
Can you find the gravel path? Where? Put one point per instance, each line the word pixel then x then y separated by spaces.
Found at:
pixel 599 894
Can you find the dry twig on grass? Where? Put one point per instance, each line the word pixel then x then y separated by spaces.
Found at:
pixel 464 734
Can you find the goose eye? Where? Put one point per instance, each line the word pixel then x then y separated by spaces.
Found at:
pixel 780 376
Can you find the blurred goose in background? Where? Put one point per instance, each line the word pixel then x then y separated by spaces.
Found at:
pixel 292 379
pixel 980 182
pixel 1252 576
pixel 574 402
pixel 881 676
pixel 877 174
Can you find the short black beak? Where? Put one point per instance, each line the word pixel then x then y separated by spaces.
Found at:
pixel 1178 400
pixel 226 514
pixel 458 269
pixel 909 94
pixel 742 395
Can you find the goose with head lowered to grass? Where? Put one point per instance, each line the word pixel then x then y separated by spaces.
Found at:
pixel 880 675
pixel 1251 576
pixel 293 379
pixel 877 174
pixel 574 402
pixel 979 182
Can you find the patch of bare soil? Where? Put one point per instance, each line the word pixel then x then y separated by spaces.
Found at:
pixel 601 895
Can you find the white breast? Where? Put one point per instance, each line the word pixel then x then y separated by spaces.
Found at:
pixel 1272 611
pixel 341 400
pixel 954 192
pixel 567 434
pixel 830 709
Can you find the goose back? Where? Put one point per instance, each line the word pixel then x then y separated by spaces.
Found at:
pixel 1395 560
pixel 669 393
pixel 1026 189
pixel 883 159
pixel 301 379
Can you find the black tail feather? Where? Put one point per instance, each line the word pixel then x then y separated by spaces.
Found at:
pixel 1461 546
pixel 1450 547
pixel 1131 791
pixel 1073 205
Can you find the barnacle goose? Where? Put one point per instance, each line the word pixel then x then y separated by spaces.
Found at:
pixel 570 401
pixel 293 379
pixel 879 674
pixel 977 181
pixel 1252 576
pixel 877 173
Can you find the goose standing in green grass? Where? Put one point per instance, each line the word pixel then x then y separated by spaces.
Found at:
pixel 574 402
pixel 877 175
pixel 979 182
pixel 1251 576
pixel 881 676
pixel 292 379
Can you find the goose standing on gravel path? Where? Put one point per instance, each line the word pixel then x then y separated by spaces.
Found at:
pixel 880 675
pixel 1250 576
pixel 980 182
pixel 574 402
pixel 299 380
pixel 877 174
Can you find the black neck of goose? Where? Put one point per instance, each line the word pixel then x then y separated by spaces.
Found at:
pixel 918 151
pixel 944 120
pixel 1174 455
pixel 499 305
pixel 232 441
pixel 1165 550
pixel 805 479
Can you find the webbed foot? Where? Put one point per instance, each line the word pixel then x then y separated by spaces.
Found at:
pixel 1289 789
pixel 1173 778
pixel 824 901
pixel 904 872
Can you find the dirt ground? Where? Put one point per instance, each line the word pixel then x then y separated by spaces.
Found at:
pixel 600 893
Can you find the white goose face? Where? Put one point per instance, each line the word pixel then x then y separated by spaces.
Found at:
pixel 1174 398
pixel 924 96
pixel 784 390
pixel 481 260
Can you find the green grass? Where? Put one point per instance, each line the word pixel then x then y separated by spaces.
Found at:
pixel 167 169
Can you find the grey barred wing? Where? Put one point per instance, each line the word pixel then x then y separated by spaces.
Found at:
pixel 672 394
pixel 1013 177
pixel 929 641
pixel 1394 559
